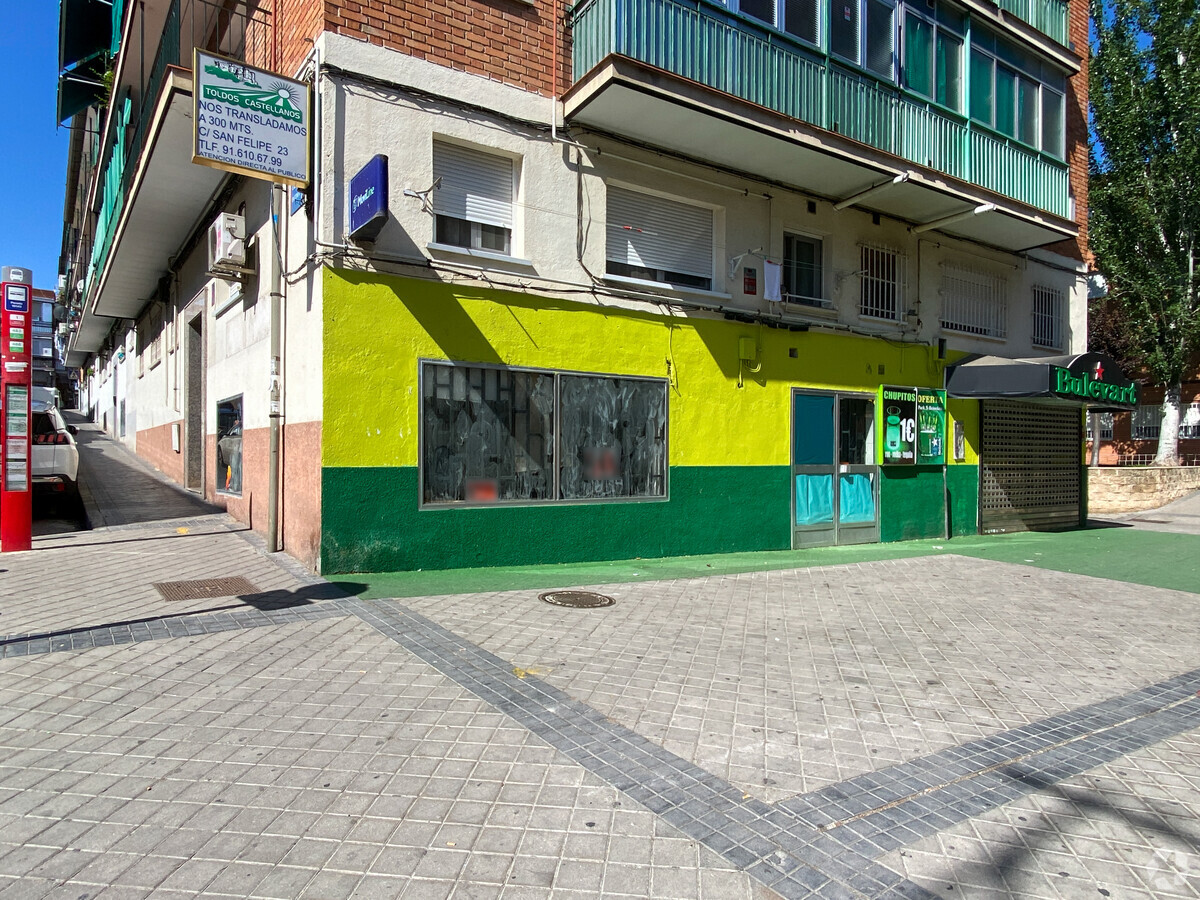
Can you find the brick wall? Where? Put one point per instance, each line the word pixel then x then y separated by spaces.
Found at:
pixel 506 40
pixel 1077 138
pixel 297 25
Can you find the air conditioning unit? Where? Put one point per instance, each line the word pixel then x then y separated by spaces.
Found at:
pixel 227 242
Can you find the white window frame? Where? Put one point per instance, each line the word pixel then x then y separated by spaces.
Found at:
pixel 476 199
pixel 974 301
pixel 652 224
pixel 1189 421
pixel 877 293
pixel 820 299
pixel 1106 426
pixel 1046 314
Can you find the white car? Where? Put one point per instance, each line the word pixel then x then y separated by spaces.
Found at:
pixel 55 457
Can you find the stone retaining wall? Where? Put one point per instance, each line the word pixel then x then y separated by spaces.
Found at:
pixel 1134 488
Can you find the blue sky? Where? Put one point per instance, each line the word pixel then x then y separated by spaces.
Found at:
pixel 33 152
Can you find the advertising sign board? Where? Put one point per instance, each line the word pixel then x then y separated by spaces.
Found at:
pixel 369 199
pixel 898 407
pixel 931 427
pixel 16 505
pixel 250 121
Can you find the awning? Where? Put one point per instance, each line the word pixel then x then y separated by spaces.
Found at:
pixel 77 90
pixel 84 30
pixel 1085 379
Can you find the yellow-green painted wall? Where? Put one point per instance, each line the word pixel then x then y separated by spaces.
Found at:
pixel 377 328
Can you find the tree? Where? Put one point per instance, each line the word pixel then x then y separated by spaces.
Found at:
pixel 1144 165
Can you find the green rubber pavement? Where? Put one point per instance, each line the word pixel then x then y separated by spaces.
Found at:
pixel 1154 558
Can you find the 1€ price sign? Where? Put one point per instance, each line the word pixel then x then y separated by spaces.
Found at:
pixel 250 121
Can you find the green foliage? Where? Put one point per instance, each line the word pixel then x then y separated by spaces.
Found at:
pixel 1144 203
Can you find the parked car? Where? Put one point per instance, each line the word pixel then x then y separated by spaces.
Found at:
pixel 55 457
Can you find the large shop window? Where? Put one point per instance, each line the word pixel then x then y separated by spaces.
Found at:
pixel 655 239
pixel 489 435
pixel 229 446
pixel 881 282
pixel 473 202
pixel 974 302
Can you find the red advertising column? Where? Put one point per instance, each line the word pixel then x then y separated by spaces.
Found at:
pixel 16 378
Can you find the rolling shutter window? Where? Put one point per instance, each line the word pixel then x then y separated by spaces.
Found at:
pixel 656 233
pixel 477 187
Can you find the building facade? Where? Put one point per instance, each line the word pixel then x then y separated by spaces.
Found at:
pixel 652 277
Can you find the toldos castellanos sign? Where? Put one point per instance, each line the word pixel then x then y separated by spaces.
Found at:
pixel 250 121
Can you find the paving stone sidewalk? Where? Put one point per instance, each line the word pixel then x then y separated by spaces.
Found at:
pixel 908 728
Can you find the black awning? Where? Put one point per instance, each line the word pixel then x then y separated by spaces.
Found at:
pixel 1085 379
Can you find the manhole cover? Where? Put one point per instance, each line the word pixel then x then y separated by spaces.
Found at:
pixel 205 588
pixel 576 599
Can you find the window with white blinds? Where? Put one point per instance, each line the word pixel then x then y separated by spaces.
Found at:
pixel 657 239
pixel 473 202
pixel 974 302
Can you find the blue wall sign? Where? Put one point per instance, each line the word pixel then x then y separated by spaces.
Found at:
pixel 369 199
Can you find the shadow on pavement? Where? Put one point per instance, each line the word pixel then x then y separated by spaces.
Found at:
pixel 265 601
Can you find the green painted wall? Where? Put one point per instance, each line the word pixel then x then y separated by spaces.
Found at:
pixel 371 522
pixel 962 484
pixel 911 503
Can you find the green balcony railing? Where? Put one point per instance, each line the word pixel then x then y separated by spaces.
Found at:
pixel 700 41
pixel 229 27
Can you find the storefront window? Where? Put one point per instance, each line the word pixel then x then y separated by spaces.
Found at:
pixel 229 446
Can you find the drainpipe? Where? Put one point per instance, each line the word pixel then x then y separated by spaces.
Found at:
pixel 276 375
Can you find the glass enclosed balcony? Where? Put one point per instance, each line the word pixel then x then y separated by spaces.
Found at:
pixel 704 43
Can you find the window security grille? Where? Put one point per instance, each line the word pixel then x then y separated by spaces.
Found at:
pixel 881 282
pixel 1048 306
pixel 1106 427
pixel 657 239
pixel 974 302
pixel 1146 422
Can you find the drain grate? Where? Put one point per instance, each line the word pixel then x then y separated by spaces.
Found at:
pixel 576 599
pixel 205 588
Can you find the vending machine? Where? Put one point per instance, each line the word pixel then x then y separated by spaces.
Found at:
pixel 16 378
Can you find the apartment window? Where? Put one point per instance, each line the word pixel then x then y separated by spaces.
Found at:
pixel 43 348
pixel 974 302
pixel 1106 426
pixel 655 239
pixel 473 203
pixel 933 55
pixel 1017 94
pixel 864 33
pixel 881 282
pixel 1189 421
pixel 802 279
pixel 489 435
pixel 229 446
pixel 1145 423
pixel 1048 306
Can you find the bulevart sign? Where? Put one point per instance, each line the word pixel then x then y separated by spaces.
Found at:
pixel 250 121
pixel 1094 379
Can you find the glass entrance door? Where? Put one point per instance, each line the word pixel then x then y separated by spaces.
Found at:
pixel 835 479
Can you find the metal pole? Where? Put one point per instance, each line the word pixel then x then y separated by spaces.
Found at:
pixel 275 412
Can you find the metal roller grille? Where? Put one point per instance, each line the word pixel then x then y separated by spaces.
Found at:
pixel 1030 466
